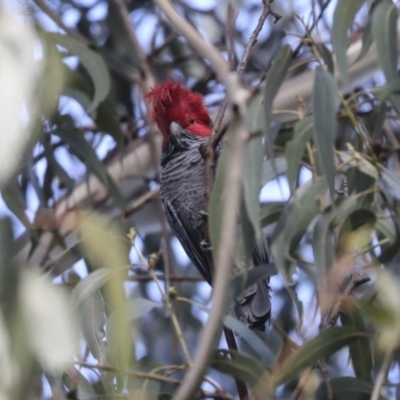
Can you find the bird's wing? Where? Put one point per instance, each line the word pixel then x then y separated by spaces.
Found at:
pixel 190 241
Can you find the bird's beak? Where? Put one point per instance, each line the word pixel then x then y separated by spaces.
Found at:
pixel 175 129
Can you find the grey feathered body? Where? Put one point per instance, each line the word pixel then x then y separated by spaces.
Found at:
pixel 182 193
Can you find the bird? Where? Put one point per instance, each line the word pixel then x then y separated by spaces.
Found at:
pixel 185 123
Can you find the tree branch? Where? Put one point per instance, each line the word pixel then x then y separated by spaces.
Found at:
pixel 357 279
pixel 212 329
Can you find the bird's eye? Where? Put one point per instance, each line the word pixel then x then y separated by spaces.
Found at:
pixel 191 121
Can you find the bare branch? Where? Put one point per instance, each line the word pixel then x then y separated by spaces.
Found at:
pixel 212 329
pixel 357 279
pixel 253 38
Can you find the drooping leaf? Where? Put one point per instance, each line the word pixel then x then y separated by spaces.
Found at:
pixel 343 18
pixel 384 29
pixel 50 320
pixel 141 306
pixel 92 311
pixel 216 204
pixel 323 345
pixel 323 240
pixel 92 283
pixel 251 339
pixel 238 365
pixel 253 154
pixel 325 107
pixel 360 349
pixel 275 77
pixel 292 224
pixel 295 149
pixel 93 63
pixel 345 388
pixel 104 248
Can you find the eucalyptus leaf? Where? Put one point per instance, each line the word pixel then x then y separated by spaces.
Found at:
pixel 343 18
pixel 345 388
pixel 141 306
pixel 384 29
pixel 325 108
pixel 323 345
pixel 251 338
pixel 238 365
pixel 360 349
pixel 94 64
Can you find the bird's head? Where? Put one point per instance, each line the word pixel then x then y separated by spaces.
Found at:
pixel 173 103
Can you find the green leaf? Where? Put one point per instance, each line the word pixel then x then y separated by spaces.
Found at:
pixel 107 121
pixel 253 155
pixel 325 107
pixel 93 321
pixel 104 248
pixel 275 78
pixel 360 349
pixel 271 211
pixel 292 224
pixel 50 320
pixel 323 345
pixel 93 63
pixel 390 183
pixel 86 152
pixel 323 238
pixel 249 278
pixel 140 306
pixel 343 18
pixel 251 339
pixel 384 29
pixel 89 285
pixel 328 59
pixel 389 229
pixel 216 203
pixel 367 39
pixel 345 388
pixel 238 365
pixel 295 149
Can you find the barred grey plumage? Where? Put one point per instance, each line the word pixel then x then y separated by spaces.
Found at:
pixel 182 193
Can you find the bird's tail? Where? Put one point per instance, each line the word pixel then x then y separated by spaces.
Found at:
pixel 253 308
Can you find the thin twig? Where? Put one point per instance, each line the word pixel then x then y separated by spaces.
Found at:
pixel 139 374
pixel 140 202
pixel 174 278
pixel 253 38
pixel 357 279
pixel 167 303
